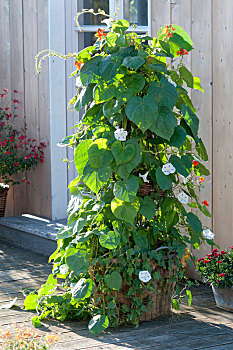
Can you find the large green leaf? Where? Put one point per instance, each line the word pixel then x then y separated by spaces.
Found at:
pixel 134 81
pixel 125 211
pixel 142 111
pixel 178 138
pixel 201 150
pixel 81 155
pixel 195 223
pixel 83 289
pixel 186 75
pixel 110 240
pixel 98 153
pixel 95 179
pixel 108 68
pixel 30 302
pixel 111 107
pixel 164 93
pixel 98 324
pixel 133 62
pixel 192 82
pixel 123 153
pixel 191 120
pixel 164 123
pixel 183 165
pixel 126 190
pixel 120 26
pixel 103 92
pixel 147 208
pixel 164 181
pixel 77 261
pixel 93 114
pixel 180 42
pixel 123 170
pixel 113 280
pixel 158 67
pixel 84 97
pixel 48 287
pixel 90 70
pixel 111 39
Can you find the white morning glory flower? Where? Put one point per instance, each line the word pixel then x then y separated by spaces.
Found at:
pixel 144 276
pixel 120 134
pixel 144 177
pixel 172 82
pixel 108 22
pixel 63 269
pixel 208 234
pixel 183 198
pixel 168 169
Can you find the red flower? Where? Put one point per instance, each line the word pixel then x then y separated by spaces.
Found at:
pixel 223 252
pixel 231 247
pixel 206 261
pixel 219 262
pixel 15 91
pixel 222 274
pixel 205 203
pixel 100 33
pixel 217 281
pixel 195 162
pixel 215 250
pixel 6 109
pixel 3 123
pixel 168 30
pixel 182 52
pixel 5 90
pixel 15 101
pixel 24 180
pixel 198 260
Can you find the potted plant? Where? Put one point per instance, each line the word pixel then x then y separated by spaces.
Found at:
pixel 139 161
pixel 18 153
pixel 216 269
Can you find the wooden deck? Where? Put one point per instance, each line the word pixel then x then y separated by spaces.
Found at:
pixel 203 326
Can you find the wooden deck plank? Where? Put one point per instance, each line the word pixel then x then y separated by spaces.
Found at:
pixel 203 326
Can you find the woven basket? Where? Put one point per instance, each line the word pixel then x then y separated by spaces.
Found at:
pixel 161 298
pixel 147 188
pixel 3 198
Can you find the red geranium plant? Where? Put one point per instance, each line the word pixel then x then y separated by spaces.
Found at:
pixel 217 268
pixel 17 152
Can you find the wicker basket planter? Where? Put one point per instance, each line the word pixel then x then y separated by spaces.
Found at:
pixel 3 198
pixel 161 298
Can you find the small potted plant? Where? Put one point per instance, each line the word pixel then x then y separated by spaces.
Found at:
pixel 216 269
pixel 139 161
pixel 18 152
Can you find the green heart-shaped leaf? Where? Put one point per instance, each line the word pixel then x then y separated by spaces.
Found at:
pixel 113 280
pixel 123 154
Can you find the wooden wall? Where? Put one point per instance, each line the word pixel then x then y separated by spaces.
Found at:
pixel 209 23
pixel 24 32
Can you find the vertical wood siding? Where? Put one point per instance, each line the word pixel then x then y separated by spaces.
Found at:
pixel 24 31
pixel 209 23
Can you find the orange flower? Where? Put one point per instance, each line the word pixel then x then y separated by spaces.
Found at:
pixel 201 179
pixel 195 163
pixel 205 203
pixel 78 64
pixel 182 52
pixel 100 33
pixel 168 31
